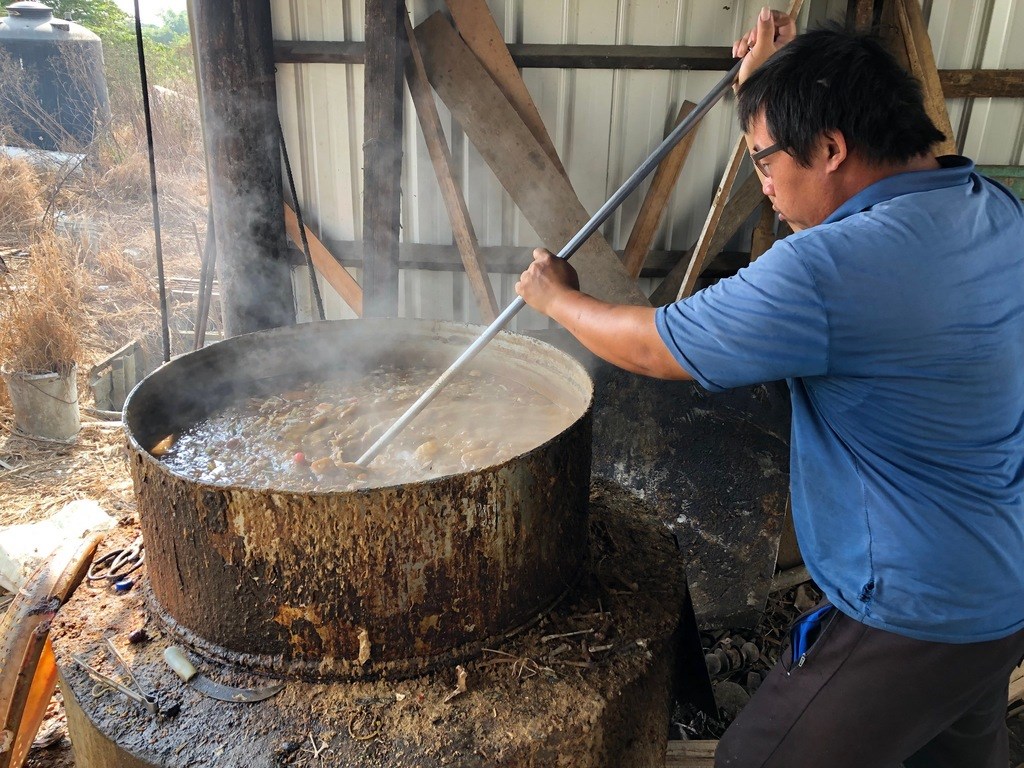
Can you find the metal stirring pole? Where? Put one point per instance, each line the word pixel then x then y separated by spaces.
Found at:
pixel 606 210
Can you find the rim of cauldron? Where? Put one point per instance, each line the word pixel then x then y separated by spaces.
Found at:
pixel 317 327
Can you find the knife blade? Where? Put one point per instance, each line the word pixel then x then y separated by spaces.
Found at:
pixel 183 668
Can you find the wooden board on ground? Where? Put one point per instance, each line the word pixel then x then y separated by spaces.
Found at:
pixel 691 754
pixel 543 195
pixel 1016 684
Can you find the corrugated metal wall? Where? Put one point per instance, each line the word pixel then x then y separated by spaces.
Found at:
pixel 603 122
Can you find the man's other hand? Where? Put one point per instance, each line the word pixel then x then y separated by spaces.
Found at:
pixel 773 30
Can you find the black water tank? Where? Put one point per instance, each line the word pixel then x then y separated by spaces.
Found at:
pixel 53 92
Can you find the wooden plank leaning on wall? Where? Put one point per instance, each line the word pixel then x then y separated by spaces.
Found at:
pixel 454 201
pixel 339 278
pixel 535 184
pixel 702 250
pixel 478 29
pixel 480 32
pixel 658 193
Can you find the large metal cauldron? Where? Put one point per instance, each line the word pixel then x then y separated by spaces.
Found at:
pixel 385 581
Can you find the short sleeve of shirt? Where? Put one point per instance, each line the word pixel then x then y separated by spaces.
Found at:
pixel 765 323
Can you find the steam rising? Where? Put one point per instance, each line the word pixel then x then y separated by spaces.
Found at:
pixel 327 390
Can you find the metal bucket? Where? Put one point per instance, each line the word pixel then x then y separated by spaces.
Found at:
pixel 379 581
pixel 45 404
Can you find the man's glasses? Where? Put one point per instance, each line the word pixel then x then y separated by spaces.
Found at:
pixel 759 156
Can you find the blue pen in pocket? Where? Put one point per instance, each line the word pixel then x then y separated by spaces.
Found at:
pixel 806 630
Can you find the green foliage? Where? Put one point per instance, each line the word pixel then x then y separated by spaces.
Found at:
pixel 172 31
pixel 101 16
pixel 169 49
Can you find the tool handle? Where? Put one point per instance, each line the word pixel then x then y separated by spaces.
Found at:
pixel 176 660
pixel 667 145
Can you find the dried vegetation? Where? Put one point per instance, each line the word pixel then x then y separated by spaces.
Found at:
pixel 78 278
pixel 40 315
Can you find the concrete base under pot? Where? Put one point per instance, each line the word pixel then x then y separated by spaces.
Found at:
pixel 589 686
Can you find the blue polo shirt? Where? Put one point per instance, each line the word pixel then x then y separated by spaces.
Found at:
pixel 899 323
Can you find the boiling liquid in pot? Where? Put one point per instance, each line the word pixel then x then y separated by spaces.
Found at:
pixel 306 438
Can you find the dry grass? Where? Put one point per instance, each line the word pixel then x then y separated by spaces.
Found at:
pixel 89 238
pixel 125 182
pixel 40 319
pixel 20 199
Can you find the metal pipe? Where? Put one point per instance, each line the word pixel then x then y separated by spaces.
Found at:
pixel 165 318
pixel 567 251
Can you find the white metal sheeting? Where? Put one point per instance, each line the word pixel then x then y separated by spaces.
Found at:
pixel 603 122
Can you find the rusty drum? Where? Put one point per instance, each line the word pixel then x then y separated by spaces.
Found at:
pixel 391 580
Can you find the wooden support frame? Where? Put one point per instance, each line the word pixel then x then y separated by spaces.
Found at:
pixel 441 158
pixel 982 83
pixel 508 259
pixel 383 74
pixel 956 83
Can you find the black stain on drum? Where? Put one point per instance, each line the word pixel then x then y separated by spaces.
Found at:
pixel 216 512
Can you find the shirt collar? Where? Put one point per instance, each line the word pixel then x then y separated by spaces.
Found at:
pixel 954 170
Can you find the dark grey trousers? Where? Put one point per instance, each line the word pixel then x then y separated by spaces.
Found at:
pixel 865 698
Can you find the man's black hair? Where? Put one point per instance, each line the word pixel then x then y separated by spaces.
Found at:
pixel 830 79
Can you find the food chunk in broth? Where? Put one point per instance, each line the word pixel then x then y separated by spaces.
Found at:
pixel 306 437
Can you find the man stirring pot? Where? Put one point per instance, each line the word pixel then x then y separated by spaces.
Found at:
pixel 896 314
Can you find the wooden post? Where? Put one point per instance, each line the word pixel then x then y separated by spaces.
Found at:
pixel 238 98
pixel 382 155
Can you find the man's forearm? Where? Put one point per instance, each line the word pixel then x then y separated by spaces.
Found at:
pixel 623 335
